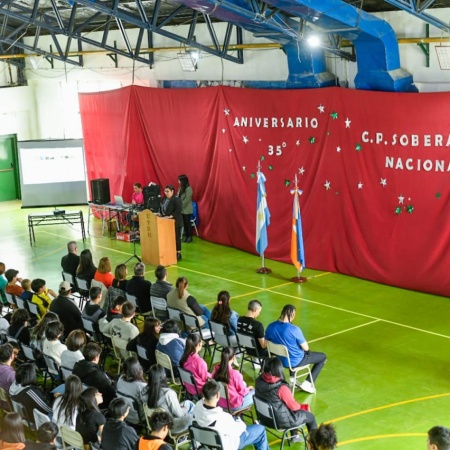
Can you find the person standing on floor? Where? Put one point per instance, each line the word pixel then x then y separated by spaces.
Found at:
pixel 185 195
pixel 173 211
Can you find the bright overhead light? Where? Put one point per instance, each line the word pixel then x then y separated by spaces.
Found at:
pixel 313 41
pixel 188 60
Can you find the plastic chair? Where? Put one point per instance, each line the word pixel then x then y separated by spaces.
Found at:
pixel 21 303
pixel 66 276
pixel 176 437
pixel 71 439
pixel 53 369
pixel 187 377
pixel 195 220
pixel 281 350
pixel 246 411
pixel 204 438
pixel 11 301
pixel 266 417
pixel 247 343
pixel 39 418
pixel 5 398
pixel 65 372
pixel 120 351
pixel 83 291
pixel 192 323
pixel 164 360
pixel 159 308
pixel 220 338
pixel 20 409
pixel 176 314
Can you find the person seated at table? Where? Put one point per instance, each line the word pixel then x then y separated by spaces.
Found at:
pixel 41 295
pixel 86 269
pixel 103 273
pixel 137 200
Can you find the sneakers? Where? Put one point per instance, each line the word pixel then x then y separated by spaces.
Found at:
pixel 308 387
pixel 296 438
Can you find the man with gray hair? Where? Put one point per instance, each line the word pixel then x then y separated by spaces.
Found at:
pixel 70 262
pixel 438 438
pixel 140 288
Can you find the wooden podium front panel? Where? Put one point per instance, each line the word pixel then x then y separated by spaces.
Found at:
pixel 157 239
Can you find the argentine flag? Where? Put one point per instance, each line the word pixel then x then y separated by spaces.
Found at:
pixel 262 215
pixel 297 250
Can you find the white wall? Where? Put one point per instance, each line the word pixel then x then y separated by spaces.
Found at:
pixel 48 107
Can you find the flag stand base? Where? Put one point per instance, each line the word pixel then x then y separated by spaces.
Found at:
pixel 299 279
pixel 264 270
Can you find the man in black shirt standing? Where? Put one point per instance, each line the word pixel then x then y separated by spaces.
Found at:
pixel 249 325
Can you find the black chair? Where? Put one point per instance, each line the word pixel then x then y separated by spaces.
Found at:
pixel 248 343
pixel 192 324
pixel 221 339
pixel 187 377
pixel 53 370
pixel 266 417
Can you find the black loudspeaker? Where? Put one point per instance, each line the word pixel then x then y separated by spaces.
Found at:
pixel 152 197
pixel 100 191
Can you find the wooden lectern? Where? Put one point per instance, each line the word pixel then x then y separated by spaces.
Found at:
pixel 157 239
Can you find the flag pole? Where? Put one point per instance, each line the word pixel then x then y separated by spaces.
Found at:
pixel 262 269
pixel 297 192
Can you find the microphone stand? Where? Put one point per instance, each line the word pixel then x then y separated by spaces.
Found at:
pixel 134 255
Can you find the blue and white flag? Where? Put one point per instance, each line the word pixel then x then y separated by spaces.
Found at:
pixel 262 215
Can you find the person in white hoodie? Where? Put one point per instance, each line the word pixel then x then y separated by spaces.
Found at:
pixel 235 434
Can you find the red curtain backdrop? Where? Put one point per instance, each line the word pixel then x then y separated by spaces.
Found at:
pixel 373 167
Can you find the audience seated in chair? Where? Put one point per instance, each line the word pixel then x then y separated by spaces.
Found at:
pixel 7 372
pixel 67 407
pixel 140 288
pixel 74 342
pixel 86 269
pixel 71 261
pixel 19 326
pixel 116 311
pixel 284 332
pixel 3 283
pixel 120 277
pixel 46 438
pixel 92 309
pixel 161 287
pixel 148 339
pixel 222 313
pixel 52 345
pixel 240 395
pixel 41 295
pixel 68 312
pixel 27 293
pixel 116 433
pixel 249 325
pixel 91 373
pixel 235 434
pixel 91 421
pixel 13 434
pixel 131 384
pixel 13 286
pixel 25 391
pixel 160 423
pixel 179 298
pixel 38 332
pixel 171 344
pixel 103 273
pixel 159 395
pixel 194 363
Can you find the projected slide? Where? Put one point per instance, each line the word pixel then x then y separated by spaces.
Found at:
pixel 52 165
pixel 52 173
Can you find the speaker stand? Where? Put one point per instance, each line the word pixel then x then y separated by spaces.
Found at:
pixel 134 255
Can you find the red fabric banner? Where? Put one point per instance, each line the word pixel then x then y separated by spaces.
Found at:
pixel 373 167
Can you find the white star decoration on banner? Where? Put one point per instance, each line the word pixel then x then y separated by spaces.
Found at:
pixel 338 149
pixel 327 185
pixel 383 182
pixel 321 108
pixel 244 168
pixel 297 143
pixel 223 130
pixel 245 139
pixel 360 185
pixel 227 112
pixel 401 198
pixel 301 171
pixel 230 150
pixel 347 123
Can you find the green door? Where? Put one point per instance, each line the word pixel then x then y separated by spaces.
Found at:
pixel 9 171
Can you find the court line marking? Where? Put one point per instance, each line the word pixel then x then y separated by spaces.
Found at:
pixel 345 331
pixel 390 405
pixel 381 436
pixel 48 254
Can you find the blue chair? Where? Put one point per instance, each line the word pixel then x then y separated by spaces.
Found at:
pixel 195 221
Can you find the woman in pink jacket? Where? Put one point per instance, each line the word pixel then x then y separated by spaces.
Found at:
pixel 194 363
pixel 239 393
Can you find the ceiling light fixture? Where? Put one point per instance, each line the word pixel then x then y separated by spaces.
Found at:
pixel 188 60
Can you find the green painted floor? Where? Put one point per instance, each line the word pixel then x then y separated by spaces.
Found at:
pixel 387 377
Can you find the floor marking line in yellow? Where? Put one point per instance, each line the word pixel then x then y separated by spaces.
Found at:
pixel 391 405
pixel 345 331
pixel 319 275
pixel 48 254
pixel 381 436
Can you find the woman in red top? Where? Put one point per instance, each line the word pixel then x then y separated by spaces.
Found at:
pixel 103 273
